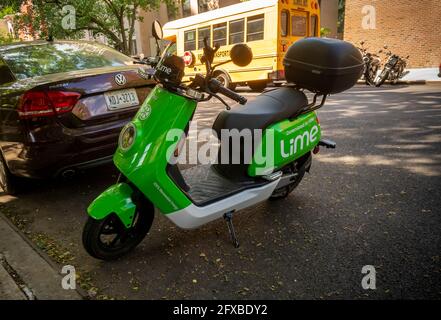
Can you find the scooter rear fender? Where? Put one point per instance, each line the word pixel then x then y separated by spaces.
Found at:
pixel 116 199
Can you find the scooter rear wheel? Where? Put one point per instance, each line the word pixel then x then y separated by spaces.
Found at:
pixel 109 239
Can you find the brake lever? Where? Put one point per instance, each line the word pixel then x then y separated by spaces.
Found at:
pixel 222 100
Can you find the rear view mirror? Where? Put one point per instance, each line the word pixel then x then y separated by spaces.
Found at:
pixel 157 30
pixel 241 55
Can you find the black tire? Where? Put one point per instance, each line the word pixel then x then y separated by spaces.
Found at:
pixel 382 78
pixel 370 75
pixel 124 240
pixel 225 80
pixel 257 85
pixel 8 182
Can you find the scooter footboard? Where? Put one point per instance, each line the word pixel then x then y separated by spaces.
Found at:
pixel 116 199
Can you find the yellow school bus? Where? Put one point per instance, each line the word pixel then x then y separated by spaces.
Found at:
pixel 269 27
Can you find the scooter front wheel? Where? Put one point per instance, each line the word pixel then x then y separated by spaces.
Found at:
pixel 109 239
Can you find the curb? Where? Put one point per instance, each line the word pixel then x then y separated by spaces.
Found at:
pixel 23 262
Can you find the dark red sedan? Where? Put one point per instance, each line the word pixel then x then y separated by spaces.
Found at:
pixel 62 106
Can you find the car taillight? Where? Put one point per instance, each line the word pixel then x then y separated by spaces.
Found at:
pixel 47 103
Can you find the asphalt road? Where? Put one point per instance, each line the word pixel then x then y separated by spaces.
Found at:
pixel 375 200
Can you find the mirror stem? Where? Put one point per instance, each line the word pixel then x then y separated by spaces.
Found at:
pixel 158 49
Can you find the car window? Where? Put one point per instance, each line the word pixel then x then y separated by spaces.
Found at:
pixel 5 73
pixel 43 59
pixel 314 29
pixel 170 50
pixel 237 31
pixel 284 23
pixel 255 27
pixel 202 34
pixel 220 34
pixel 298 24
pixel 190 40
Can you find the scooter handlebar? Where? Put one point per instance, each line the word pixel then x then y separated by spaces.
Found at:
pixel 216 87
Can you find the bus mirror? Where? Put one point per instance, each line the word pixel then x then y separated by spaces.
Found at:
pixel 157 30
pixel 241 55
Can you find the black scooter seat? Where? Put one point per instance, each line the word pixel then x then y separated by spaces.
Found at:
pixel 268 108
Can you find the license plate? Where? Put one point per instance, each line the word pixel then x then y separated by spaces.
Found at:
pixel 121 99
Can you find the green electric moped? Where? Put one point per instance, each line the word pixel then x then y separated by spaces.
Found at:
pixel 246 170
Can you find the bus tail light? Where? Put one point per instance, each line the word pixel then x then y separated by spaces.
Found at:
pixel 277 75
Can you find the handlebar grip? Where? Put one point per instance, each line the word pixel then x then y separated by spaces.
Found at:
pixel 232 95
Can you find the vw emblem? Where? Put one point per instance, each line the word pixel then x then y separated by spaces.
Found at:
pixel 120 79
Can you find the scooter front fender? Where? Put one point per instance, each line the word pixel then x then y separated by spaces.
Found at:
pixel 116 199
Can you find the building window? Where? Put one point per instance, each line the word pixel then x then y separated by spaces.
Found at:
pixel 190 40
pixel 314 29
pixel 220 34
pixel 186 8
pixel 134 51
pixel 237 31
pixel 255 28
pixel 202 34
pixel 298 24
pixel 284 23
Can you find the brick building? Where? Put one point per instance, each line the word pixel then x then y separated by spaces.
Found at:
pixel 407 27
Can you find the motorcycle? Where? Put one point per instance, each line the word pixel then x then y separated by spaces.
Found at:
pixel 122 215
pixel 393 69
pixel 372 64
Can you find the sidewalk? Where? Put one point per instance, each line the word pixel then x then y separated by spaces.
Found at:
pixel 418 76
pixel 429 75
pixel 24 273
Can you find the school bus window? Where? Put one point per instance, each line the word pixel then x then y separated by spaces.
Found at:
pixel 255 28
pixel 220 34
pixel 284 22
pixel 314 29
pixel 237 31
pixel 301 2
pixel 203 33
pixel 298 24
pixel 190 40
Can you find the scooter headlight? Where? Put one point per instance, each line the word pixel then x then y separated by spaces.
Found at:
pixel 127 137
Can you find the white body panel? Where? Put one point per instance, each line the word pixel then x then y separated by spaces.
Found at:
pixel 194 216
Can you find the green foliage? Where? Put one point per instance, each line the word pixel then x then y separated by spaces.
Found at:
pixel 5 38
pixel 5 11
pixel 115 19
pixel 324 32
pixel 12 4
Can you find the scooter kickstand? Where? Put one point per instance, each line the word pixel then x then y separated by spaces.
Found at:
pixel 228 217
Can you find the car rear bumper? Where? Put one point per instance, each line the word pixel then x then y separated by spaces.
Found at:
pixel 73 151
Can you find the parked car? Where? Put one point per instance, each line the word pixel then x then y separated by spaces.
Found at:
pixel 62 106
